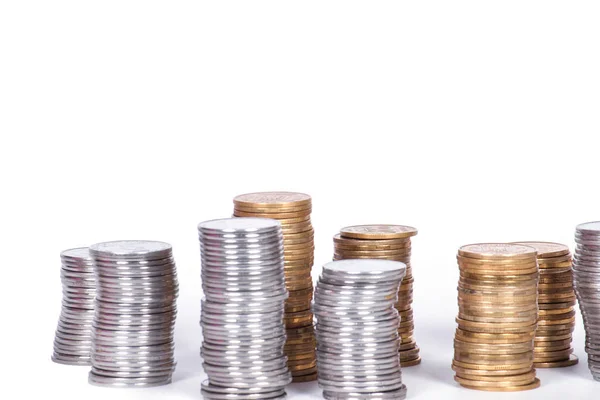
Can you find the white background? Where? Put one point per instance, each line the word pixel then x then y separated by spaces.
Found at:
pixel 471 120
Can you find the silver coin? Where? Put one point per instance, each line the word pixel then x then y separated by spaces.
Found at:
pixel 399 394
pixel 131 249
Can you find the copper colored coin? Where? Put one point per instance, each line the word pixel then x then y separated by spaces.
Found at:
pixel 378 232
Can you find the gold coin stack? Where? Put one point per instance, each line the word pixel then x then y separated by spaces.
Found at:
pixel 388 242
pixel 556 303
pixel 497 317
pixel 292 210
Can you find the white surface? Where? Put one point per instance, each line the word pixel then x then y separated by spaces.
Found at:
pixel 471 120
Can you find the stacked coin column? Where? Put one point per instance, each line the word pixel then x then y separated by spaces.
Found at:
pixel 388 242
pixel 497 315
pixel 293 211
pixel 135 314
pixel 73 340
pixel 357 330
pixel 243 309
pixel 556 303
pixel 586 277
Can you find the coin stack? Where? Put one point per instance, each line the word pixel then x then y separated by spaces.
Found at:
pixel 73 340
pixel 136 297
pixel 586 277
pixel 388 242
pixel 497 317
pixel 292 210
pixel 243 309
pixel 556 303
pixel 357 330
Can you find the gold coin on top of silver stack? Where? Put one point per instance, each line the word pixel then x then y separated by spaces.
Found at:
pixel 388 242
pixel 497 317
pixel 556 303
pixel 292 210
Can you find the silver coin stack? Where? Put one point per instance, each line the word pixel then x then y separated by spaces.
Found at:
pixel 132 340
pixel 357 330
pixel 242 312
pixel 73 340
pixel 586 281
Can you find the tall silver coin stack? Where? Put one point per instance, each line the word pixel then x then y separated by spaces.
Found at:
pixel 73 340
pixel 136 307
pixel 242 311
pixel 586 281
pixel 357 330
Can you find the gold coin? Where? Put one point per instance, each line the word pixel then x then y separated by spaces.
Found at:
pixel 493 367
pixel 299 246
pixel 490 373
pixel 409 354
pixel 502 349
pixel 493 359
pixel 554 355
pixel 273 215
pixel 496 263
pixel 562 267
pixel 407 346
pixel 511 380
pixel 555 317
pixel 573 360
pixel 307 363
pixel 507 299
pixel 496 279
pixel 500 272
pixel 301 367
pixel 555 306
pixel 410 363
pixel 378 253
pixel 271 210
pixel 378 232
pixel 369 243
pixel 529 375
pixel 301 238
pixel 497 251
pixel 534 385
pixel 553 343
pixel 304 378
pixel 547 249
pixel 302 356
pixel 273 199
pixel 497 320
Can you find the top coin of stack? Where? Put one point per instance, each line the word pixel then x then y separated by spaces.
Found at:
pixel 556 302
pixel 292 210
pixel 388 242
pixel 497 317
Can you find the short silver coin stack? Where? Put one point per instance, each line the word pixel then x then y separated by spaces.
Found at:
pixel 586 281
pixel 73 340
pixel 357 330
pixel 242 311
pixel 132 341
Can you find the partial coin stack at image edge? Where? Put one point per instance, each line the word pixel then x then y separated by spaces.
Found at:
pixel 73 340
pixel 292 210
pixel 556 303
pixel 386 242
pixel 497 317
pixel 133 328
pixel 242 313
